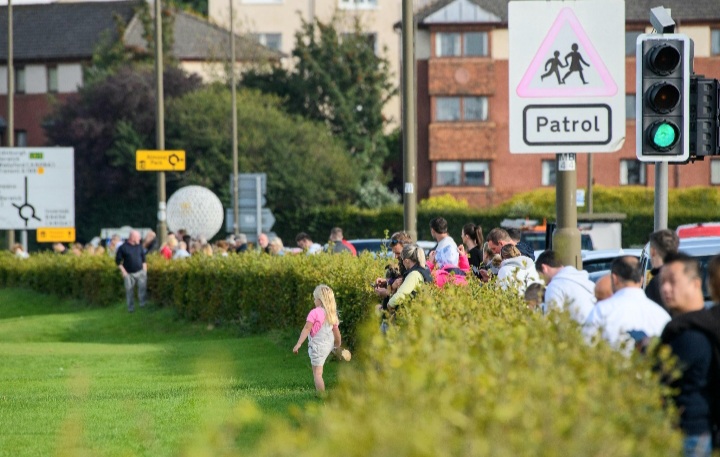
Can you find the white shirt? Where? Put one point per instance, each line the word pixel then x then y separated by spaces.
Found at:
pixel 627 310
pixel 446 253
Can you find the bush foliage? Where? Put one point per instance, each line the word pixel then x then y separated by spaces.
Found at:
pixel 465 371
pixel 700 204
pixel 472 372
pixel 255 292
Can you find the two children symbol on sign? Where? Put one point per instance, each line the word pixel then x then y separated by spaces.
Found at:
pixel 554 64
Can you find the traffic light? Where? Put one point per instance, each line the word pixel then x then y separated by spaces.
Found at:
pixel 662 104
pixel 704 122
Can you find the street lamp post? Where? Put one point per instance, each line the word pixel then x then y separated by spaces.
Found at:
pixel 236 203
pixel 160 122
pixel 10 99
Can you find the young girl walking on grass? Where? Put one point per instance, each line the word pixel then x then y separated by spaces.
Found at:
pixel 322 328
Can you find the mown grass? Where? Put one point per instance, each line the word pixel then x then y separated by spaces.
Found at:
pixel 76 380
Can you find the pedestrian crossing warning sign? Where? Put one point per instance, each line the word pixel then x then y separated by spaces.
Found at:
pixel 566 76
pixel 566 64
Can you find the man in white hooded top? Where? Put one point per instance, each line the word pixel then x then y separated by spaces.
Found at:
pixel 628 316
pixel 567 288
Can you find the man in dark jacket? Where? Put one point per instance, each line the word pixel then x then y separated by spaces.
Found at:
pixel 691 334
pixel 130 259
pixel 662 243
pixel 499 237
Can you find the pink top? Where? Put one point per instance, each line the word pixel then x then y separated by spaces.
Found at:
pixel 317 318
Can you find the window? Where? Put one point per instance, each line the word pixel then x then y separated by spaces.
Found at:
pixel 448 44
pixel 447 109
pixel 475 43
pixel 19 80
pixel 448 173
pixel 52 79
pixel 548 173
pixel 462 173
pixel 630 106
pixel 715 42
pixel 475 108
pixel 632 172
pixel 476 174
pixel 630 41
pixel 715 171
pixel 358 4
pixel 468 109
pixel 20 138
pixel 271 40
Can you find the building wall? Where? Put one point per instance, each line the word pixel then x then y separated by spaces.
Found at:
pixel 489 140
pixel 284 17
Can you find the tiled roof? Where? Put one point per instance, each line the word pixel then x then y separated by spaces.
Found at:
pixel 635 10
pixel 196 38
pixel 58 31
pixel 71 31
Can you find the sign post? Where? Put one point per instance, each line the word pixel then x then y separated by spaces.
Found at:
pixel 37 188
pixel 567 92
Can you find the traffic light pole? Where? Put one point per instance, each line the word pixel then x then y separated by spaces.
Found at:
pixel 661 196
pixel 566 240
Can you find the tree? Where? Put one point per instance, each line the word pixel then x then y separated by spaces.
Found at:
pixel 337 79
pixel 306 166
pixel 106 122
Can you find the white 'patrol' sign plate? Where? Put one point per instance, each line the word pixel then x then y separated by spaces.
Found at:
pixel 567 76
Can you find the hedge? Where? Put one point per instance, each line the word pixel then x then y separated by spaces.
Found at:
pixel 255 292
pixel 465 372
pixel 472 372
pixel 700 204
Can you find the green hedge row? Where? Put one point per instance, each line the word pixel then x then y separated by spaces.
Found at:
pixel 472 372
pixel 685 206
pixel 93 279
pixel 255 292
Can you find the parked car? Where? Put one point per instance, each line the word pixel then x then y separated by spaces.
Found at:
pixel 701 248
pixel 537 240
pixel 602 259
pixel 702 229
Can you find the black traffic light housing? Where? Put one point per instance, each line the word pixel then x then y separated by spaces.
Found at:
pixel 704 122
pixel 663 69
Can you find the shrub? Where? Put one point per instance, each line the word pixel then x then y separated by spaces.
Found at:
pixel 472 372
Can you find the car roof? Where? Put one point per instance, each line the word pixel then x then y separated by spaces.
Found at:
pixel 609 253
pixel 700 246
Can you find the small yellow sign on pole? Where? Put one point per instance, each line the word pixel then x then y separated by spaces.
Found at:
pixel 56 234
pixel 160 160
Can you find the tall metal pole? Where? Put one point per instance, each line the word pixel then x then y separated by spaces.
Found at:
pixel 10 99
pixel 566 241
pixel 160 122
pixel 409 119
pixel 589 199
pixel 236 203
pixel 661 196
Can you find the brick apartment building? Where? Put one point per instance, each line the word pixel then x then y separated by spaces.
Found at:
pixel 53 42
pixel 463 127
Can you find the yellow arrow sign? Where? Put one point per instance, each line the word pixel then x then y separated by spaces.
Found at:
pixel 159 160
pixel 56 234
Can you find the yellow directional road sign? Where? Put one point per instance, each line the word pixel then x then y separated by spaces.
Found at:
pixel 56 234
pixel 160 160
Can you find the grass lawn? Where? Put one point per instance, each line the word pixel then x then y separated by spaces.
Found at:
pixel 76 380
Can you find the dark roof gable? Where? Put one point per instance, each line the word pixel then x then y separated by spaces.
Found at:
pixel 58 31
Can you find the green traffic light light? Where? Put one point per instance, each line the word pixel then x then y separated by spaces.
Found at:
pixel 664 135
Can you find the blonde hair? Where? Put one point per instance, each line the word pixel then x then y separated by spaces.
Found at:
pixel 414 253
pixel 327 299
pixel 509 251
